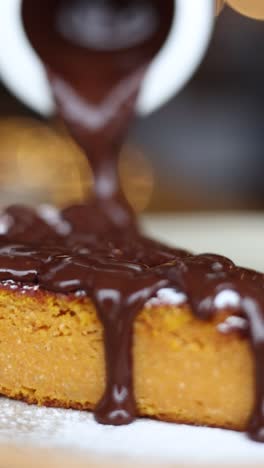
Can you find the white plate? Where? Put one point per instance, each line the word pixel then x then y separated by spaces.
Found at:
pixel 241 238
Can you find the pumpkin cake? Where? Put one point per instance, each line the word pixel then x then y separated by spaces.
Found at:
pixel 185 370
pixel 185 367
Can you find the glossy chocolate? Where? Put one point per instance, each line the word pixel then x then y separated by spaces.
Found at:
pixel 97 249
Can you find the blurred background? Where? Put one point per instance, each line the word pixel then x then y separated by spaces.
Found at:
pixel 201 152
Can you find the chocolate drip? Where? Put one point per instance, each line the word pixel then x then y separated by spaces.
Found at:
pixel 97 249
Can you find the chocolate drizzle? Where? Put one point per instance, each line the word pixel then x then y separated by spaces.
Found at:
pixel 97 249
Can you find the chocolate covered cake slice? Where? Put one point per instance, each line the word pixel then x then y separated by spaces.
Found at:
pixel 126 326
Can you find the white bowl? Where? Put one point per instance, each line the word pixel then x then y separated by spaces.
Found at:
pixel 180 56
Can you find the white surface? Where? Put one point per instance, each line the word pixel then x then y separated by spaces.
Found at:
pixel 242 237
pixel 182 53
pixel 54 428
pixel 239 237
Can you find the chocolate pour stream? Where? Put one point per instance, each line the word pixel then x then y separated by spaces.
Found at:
pixel 97 249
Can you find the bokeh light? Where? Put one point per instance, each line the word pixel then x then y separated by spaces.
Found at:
pixel 251 8
pixel 219 6
pixel 40 163
pixel 136 177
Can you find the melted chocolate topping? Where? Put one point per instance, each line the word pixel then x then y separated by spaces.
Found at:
pixel 97 249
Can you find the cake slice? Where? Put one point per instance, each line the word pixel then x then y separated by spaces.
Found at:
pixel 126 326
pixel 185 370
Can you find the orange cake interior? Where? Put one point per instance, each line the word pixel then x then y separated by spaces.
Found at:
pixel 185 370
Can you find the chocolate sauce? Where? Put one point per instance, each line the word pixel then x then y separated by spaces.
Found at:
pixel 97 249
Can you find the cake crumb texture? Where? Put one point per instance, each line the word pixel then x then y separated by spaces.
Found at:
pixel 185 370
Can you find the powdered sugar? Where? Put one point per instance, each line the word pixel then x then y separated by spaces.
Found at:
pixel 167 296
pixel 22 424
